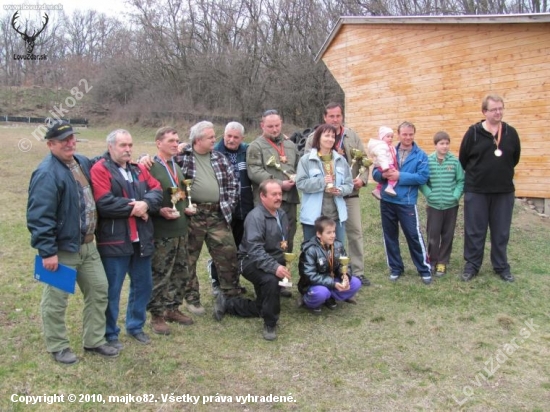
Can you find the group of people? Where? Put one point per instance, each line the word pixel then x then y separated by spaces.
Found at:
pixel 108 217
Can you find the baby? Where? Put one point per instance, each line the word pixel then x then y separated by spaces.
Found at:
pixel 383 154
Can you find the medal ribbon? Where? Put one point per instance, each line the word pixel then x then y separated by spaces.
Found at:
pixel 171 173
pixel 497 141
pixel 280 225
pixel 280 151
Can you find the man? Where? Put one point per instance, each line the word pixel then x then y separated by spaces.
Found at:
pixel 261 260
pixel 272 143
pixel 346 140
pixel 489 152
pixel 125 194
pixel 233 147
pixel 215 190
pixel 169 262
pixel 62 217
pixel 412 172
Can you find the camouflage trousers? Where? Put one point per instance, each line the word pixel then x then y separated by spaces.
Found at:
pixel 170 274
pixel 210 227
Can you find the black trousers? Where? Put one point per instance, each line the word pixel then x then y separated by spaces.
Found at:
pixel 440 229
pixel 482 211
pixel 267 304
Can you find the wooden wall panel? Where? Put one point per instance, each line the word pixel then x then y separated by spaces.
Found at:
pixel 435 75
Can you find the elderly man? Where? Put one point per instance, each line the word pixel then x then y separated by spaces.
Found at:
pixel 233 147
pixel 125 194
pixel 413 171
pixel 261 259
pixel 489 152
pixel 170 268
pixel 62 217
pixel 214 189
pixel 346 141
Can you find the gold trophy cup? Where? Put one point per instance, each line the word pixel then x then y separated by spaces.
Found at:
pixel 289 258
pixel 175 198
pixel 356 155
pixel 271 162
pixel 365 164
pixel 344 261
pixel 188 183
pixel 327 166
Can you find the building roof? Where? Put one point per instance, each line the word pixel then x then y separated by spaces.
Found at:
pixel 476 19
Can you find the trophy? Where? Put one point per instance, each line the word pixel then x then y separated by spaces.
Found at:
pixel 365 164
pixel 188 183
pixel 356 155
pixel 344 261
pixel 175 196
pixel 271 162
pixel 289 258
pixel 327 166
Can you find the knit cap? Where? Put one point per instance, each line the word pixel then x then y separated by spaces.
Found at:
pixel 383 131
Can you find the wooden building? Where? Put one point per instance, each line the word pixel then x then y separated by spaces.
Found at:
pixel 435 70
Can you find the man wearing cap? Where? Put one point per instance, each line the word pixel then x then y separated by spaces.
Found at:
pixel 62 217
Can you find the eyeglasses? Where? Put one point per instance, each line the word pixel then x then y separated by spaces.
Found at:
pixel 270 112
pixel 496 109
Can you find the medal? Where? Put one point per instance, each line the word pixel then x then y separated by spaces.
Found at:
pixel 498 153
pixel 282 159
pixel 284 245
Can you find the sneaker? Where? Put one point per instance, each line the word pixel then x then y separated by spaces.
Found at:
pixel 269 332
pixel 394 276
pixel 219 307
pixel 176 316
pixel 65 356
pixel 116 344
pixel 364 280
pixel 376 194
pixel 103 350
pixel 142 338
pixel 390 191
pixel 317 311
pixel 426 280
pixel 195 308
pixel 285 293
pixel 159 326
pixel 331 303
pixel 440 270
pixel 467 276
pixel 507 277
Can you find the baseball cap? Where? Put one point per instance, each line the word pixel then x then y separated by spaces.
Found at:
pixel 59 130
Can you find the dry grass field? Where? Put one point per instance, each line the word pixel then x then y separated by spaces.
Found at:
pixel 477 346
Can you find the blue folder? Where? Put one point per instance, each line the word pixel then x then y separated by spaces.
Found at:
pixel 63 278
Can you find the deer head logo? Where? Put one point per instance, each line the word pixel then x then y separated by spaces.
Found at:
pixel 29 40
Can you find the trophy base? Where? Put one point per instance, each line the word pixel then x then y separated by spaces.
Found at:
pixel 286 284
pixel 176 213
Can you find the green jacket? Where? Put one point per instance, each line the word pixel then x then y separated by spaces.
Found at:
pixel 446 182
pixel 169 228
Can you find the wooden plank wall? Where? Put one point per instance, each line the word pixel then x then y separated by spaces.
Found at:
pixel 435 75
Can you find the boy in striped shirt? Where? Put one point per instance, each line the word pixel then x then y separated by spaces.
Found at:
pixel 442 191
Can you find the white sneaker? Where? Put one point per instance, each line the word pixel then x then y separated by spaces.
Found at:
pixel 389 190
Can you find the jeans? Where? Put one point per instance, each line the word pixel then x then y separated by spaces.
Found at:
pixel 141 285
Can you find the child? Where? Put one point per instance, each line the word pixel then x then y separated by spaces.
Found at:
pixel 383 154
pixel 442 192
pixel 321 278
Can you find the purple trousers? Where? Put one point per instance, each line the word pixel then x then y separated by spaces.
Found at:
pixel 317 295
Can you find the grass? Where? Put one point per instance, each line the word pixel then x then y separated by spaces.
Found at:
pixel 403 347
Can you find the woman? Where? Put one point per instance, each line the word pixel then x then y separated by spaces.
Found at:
pixel 324 177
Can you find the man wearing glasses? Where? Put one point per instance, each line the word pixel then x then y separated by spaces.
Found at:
pixel 489 152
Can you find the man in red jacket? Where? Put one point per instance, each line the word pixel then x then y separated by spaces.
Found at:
pixel 125 194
